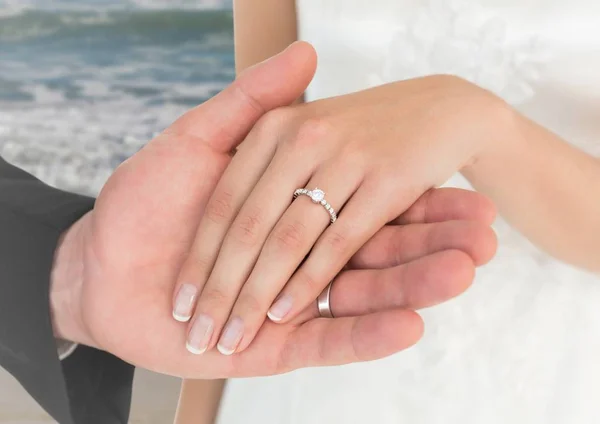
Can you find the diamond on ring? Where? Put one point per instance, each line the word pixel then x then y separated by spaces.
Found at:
pixel 317 196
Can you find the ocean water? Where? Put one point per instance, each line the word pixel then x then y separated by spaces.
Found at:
pixel 85 83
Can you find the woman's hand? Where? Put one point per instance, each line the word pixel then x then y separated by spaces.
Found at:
pixel 373 153
pixel 116 268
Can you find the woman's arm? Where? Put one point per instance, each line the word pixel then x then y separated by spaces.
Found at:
pixel 549 190
pixel 199 401
pixel 262 29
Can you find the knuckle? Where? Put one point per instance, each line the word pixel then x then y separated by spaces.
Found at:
pixel 215 296
pixel 337 240
pixel 289 236
pixel 271 122
pixel 386 288
pixel 220 209
pixel 392 250
pixel 203 261
pixel 432 238
pixel 354 345
pixel 247 227
pixel 311 132
pixel 285 359
pixel 322 350
pixel 240 89
pixel 250 304
pixel 200 264
pixel 309 283
pixel 354 158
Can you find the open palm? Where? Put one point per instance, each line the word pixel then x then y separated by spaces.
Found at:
pixel 145 219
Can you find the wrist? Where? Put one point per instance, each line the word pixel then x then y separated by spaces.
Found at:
pixel 499 143
pixel 66 282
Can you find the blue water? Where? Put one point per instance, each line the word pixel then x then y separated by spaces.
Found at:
pixel 84 84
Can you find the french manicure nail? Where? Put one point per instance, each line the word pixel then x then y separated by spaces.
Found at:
pixel 200 334
pixel 280 308
pixel 231 337
pixel 184 302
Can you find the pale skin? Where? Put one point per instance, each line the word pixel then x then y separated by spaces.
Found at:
pixel 115 265
pixel 418 254
pixel 543 186
pixel 115 268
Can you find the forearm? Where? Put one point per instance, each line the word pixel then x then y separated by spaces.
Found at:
pixel 546 188
pixel 199 401
pixel 262 29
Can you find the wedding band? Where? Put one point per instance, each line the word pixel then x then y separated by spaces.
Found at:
pixel 317 196
pixel 323 302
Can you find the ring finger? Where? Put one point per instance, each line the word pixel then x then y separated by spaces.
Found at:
pixel 424 282
pixel 288 244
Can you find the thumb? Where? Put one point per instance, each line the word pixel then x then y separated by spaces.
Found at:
pixel 223 121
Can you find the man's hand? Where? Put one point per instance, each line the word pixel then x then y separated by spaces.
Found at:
pixel 116 268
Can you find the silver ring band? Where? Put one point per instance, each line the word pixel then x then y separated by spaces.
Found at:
pixel 324 302
pixel 317 196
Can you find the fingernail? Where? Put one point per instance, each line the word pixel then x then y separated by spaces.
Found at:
pixel 280 308
pixel 184 302
pixel 231 337
pixel 200 334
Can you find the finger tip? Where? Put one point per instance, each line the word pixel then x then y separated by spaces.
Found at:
pixel 461 264
pixel 417 323
pixel 489 212
pixel 459 269
pixel 395 331
pixel 225 351
pixel 488 247
pixel 303 58
pixel 470 204
pixel 306 49
pixel 413 328
pixel 181 318
pixel 305 45
pixel 276 319
pixel 478 240
pixel 194 350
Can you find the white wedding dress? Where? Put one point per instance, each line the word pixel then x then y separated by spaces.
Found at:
pixel 523 344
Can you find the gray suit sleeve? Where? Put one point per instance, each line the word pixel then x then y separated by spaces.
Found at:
pixel 91 386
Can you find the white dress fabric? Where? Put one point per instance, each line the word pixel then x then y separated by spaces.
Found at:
pixel 523 344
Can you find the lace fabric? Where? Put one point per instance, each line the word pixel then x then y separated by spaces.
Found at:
pixel 521 346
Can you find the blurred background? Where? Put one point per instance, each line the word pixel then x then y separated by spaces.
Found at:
pixel 83 85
